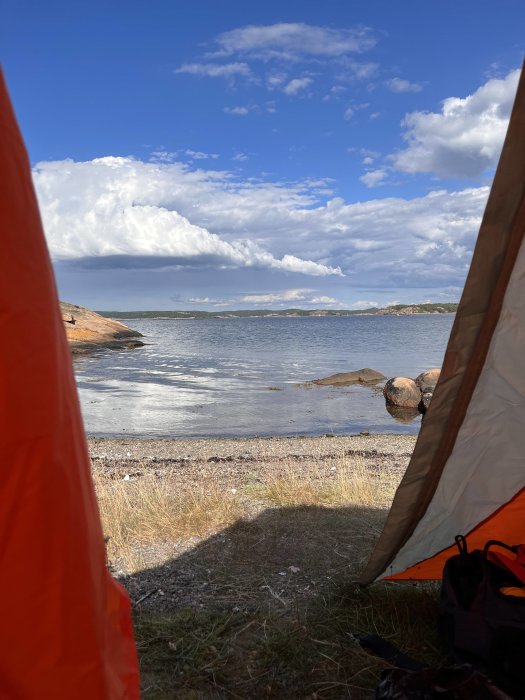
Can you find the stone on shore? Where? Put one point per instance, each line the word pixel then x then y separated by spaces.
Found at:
pixel 364 376
pixel 403 392
pixel 426 398
pixel 87 331
pixel 427 381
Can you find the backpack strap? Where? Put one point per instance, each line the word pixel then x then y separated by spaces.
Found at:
pixel 514 565
pixel 388 652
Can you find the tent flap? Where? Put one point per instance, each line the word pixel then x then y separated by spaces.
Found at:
pixel 66 626
pixel 467 444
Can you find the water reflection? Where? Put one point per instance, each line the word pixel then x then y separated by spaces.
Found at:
pixel 205 378
pixel 402 414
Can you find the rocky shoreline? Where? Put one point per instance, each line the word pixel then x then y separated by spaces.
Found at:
pixel 88 331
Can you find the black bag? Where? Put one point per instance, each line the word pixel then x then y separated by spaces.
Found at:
pixel 412 680
pixel 449 683
pixel 478 622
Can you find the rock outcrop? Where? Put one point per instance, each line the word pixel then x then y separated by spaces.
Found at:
pixel 88 331
pixel 364 376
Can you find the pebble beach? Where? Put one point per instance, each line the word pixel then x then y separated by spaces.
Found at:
pixel 192 459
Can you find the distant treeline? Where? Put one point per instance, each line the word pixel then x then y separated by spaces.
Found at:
pixel 397 310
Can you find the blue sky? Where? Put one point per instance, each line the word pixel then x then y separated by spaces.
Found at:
pixel 241 155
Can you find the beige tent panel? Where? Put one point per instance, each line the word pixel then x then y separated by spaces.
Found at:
pixel 466 462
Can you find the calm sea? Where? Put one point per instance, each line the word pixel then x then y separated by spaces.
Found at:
pixel 248 376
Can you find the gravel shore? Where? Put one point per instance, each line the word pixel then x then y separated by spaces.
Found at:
pixel 239 455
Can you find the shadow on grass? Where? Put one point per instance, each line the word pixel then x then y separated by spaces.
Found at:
pixel 266 609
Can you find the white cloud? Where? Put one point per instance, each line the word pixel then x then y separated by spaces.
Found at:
pixel 215 70
pixel 294 40
pixel 356 70
pixel 296 85
pixel 275 80
pixel 274 297
pixel 307 267
pixel 465 138
pixel 200 155
pixel 109 208
pixel 326 301
pixel 162 156
pixel 237 111
pixel 352 109
pixel 240 157
pixel 365 305
pixel 334 93
pixel 369 156
pixel 401 85
pixel 306 296
pixel 373 178
pixel 162 214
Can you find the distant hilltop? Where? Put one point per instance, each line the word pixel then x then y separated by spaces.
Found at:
pixel 396 310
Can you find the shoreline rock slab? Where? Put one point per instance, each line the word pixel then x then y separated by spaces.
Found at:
pixel 364 376
pixel 88 331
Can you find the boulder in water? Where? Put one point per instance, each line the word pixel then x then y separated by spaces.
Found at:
pixel 427 381
pixel 403 392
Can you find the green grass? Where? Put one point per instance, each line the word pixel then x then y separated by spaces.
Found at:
pixel 303 653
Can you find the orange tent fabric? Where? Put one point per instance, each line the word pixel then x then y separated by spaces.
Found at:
pixel 505 525
pixel 66 625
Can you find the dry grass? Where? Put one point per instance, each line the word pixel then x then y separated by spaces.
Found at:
pixel 349 483
pixel 151 510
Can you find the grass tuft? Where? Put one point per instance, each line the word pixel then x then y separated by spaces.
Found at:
pixel 151 510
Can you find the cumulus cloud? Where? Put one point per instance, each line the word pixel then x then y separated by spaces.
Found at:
pixel 401 85
pixel 305 296
pixel 294 40
pixel 121 211
pixel 108 209
pixel 296 85
pixel 373 178
pixel 273 297
pixel 464 139
pixel 215 70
